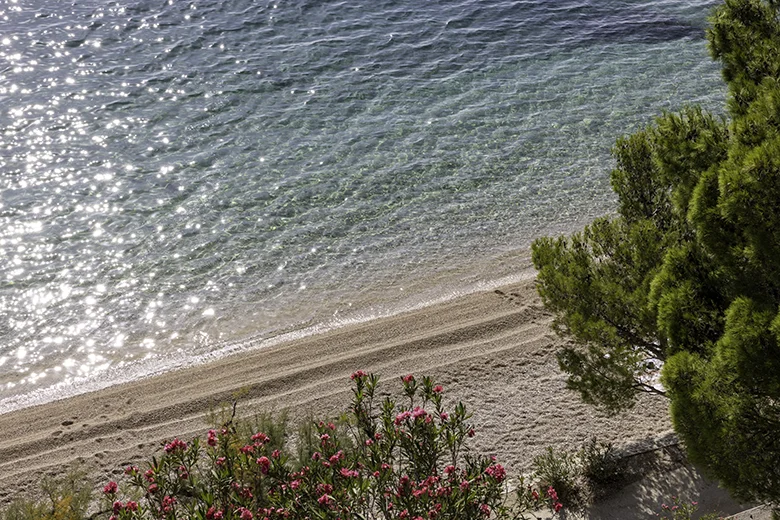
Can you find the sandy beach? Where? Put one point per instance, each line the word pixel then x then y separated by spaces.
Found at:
pixel 493 350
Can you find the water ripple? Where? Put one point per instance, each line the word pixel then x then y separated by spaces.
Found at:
pixel 177 175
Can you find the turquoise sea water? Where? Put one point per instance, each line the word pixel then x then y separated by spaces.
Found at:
pixel 179 180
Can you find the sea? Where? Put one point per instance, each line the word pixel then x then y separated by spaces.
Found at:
pixel 182 180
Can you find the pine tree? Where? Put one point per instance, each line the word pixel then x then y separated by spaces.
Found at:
pixel 686 278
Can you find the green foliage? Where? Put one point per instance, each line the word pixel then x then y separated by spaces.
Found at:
pixel 382 460
pixel 744 36
pixel 687 275
pixel 602 468
pixel 596 282
pixel 581 477
pixel 680 510
pixel 561 471
pixel 63 498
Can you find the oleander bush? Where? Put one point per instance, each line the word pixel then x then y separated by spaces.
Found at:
pixel 383 460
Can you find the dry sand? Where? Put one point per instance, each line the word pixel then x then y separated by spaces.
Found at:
pixel 492 350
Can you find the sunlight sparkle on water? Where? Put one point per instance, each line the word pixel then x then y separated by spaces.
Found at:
pixel 149 151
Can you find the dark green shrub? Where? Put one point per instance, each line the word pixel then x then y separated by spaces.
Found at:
pixel 561 471
pixel 63 498
pixel 603 469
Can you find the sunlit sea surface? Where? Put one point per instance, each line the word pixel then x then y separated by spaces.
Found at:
pixel 179 180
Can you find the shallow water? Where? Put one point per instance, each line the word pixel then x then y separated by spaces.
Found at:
pixel 182 179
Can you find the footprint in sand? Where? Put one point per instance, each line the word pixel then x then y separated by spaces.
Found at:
pixel 511 297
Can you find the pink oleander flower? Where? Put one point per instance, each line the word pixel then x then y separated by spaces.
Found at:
pixel 325 500
pixel 247 449
pixel 496 471
pixel 175 445
pixel 264 464
pixel 432 480
pixel 152 489
pixel 243 492
pixel 535 495
pixel 418 412
pixel 484 509
pixel 110 488
pixel 369 442
pixel 401 417
pixel 211 438
pixel 438 389
pixel 131 505
pixel 131 470
pixel 117 506
pixel 220 461
pixel 348 472
pixel 471 432
pixel 444 416
pixel 449 469
pixel 168 503
pixel 552 494
pixel 261 437
pixel 295 484
pixel 558 506
pixel 149 475
pixel 358 375
pixel 246 514
pixel 324 489
pixel 408 379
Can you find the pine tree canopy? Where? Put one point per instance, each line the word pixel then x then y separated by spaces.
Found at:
pixel 685 280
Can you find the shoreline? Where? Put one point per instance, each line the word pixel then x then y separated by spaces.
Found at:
pixel 493 350
pixel 421 292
